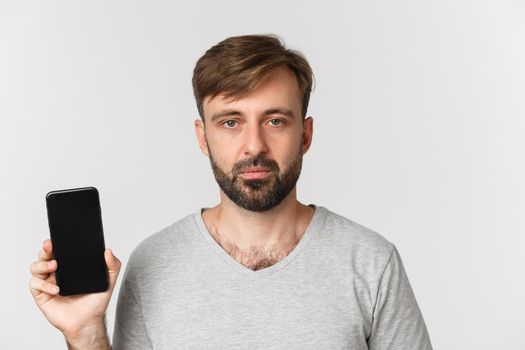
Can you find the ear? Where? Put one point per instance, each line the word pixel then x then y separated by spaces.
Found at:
pixel 308 130
pixel 200 132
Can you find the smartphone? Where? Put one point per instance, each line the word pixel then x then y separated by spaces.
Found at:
pixel 75 226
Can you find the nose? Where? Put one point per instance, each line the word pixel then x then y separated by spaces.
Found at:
pixel 254 142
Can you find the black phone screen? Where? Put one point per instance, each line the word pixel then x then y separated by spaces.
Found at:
pixel 75 225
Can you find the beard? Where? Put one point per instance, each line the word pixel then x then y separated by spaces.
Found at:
pixel 258 195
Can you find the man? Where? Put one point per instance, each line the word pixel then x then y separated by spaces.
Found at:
pixel 260 270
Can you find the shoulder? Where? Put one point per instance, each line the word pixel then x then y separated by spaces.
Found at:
pixel 169 242
pixel 359 243
pixel 349 231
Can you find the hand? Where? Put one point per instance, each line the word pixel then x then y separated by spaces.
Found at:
pixel 75 315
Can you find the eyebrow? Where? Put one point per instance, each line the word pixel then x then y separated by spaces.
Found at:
pixel 230 112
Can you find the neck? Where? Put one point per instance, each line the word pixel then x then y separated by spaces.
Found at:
pixel 280 226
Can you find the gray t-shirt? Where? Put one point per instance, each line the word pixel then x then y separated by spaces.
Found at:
pixel 342 287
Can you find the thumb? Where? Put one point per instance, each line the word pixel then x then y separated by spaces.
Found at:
pixel 113 264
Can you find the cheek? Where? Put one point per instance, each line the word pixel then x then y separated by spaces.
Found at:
pixel 218 158
pixel 288 159
pixel 219 145
pixel 288 148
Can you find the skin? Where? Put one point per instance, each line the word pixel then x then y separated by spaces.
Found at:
pixel 81 318
pixel 256 239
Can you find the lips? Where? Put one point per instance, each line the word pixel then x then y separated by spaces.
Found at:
pixel 255 170
pixel 255 173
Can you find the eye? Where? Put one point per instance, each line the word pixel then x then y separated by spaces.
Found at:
pixel 278 122
pixel 229 123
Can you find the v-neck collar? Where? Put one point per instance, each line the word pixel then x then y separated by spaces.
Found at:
pixel 313 226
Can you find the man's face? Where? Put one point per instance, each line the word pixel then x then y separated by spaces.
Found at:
pixel 262 130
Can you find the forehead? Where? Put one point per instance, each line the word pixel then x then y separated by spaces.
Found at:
pixel 279 88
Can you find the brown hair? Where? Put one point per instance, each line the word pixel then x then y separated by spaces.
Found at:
pixel 237 65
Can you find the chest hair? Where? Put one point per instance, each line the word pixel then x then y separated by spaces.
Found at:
pixel 257 258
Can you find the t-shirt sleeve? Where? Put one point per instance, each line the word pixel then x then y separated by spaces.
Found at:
pixel 130 330
pixel 397 322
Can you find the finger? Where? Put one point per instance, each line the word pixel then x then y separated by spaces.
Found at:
pixel 39 286
pixel 113 264
pixel 42 269
pixel 47 251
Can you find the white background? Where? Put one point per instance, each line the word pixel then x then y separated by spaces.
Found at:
pixel 418 134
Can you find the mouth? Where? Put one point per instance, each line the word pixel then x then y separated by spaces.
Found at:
pixel 255 173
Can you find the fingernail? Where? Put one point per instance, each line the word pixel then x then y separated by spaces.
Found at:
pixel 55 289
